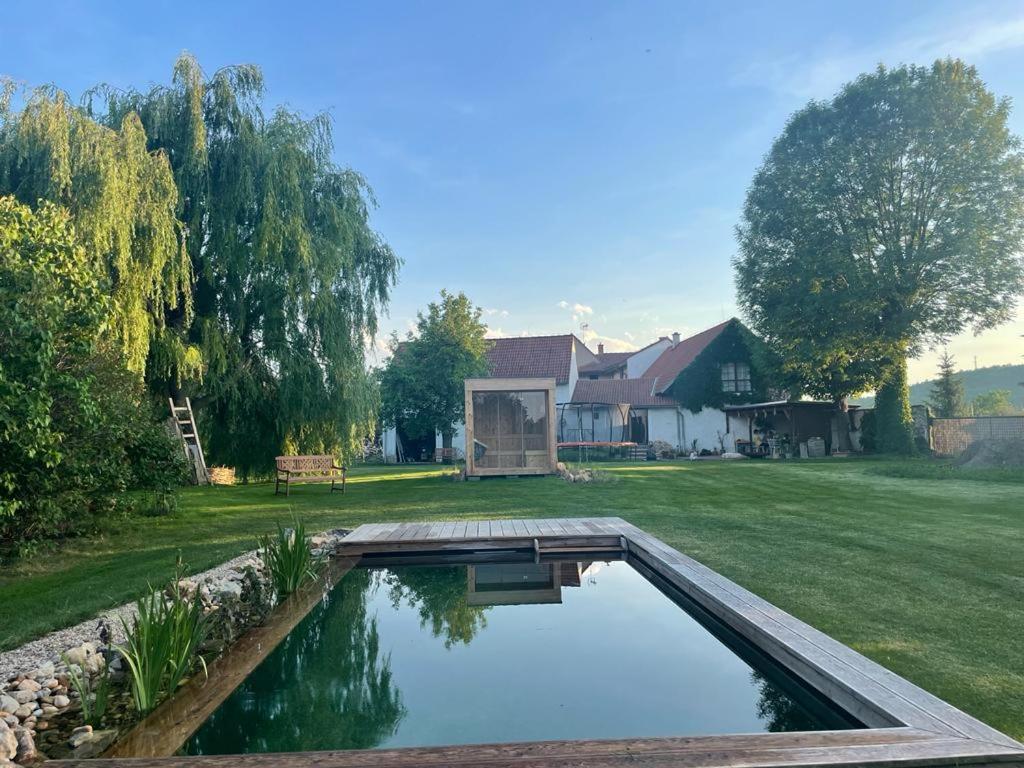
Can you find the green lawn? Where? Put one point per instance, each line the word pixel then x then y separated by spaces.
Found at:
pixel 924 576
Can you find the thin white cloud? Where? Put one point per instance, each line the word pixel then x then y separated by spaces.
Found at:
pixel 496 312
pixel 809 76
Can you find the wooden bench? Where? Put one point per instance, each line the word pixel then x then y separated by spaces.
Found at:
pixel 307 469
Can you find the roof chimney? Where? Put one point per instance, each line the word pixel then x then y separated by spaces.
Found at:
pixel 600 348
pixel 675 339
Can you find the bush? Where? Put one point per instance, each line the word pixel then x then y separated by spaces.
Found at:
pixel 76 429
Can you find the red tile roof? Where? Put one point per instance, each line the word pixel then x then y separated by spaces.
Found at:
pixel 674 360
pixel 532 357
pixel 637 392
pixel 606 361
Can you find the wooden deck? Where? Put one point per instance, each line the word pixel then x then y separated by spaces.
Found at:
pixel 907 726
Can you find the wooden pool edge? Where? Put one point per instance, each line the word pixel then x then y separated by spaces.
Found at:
pixel 907 726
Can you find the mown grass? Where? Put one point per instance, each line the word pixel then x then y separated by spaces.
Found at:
pixel 924 576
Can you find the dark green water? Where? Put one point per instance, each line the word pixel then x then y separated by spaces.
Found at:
pixel 419 655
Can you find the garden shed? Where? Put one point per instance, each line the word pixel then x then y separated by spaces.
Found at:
pixel 510 427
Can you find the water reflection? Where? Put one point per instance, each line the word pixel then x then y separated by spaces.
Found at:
pixel 420 655
pixel 779 711
pixel 328 685
pixel 438 593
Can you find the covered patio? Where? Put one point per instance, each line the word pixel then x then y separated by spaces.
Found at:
pixel 782 428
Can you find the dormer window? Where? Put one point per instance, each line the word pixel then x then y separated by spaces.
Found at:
pixel 735 377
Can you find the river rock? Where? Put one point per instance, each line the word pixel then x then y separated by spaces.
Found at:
pixel 79 736
pixel 61 701
pixel 26 746
pixel 24 711
pixel 43 672
pixel 8 704
pixel 28 684
pixel 81 654
pixel 8 742
pixel 93 744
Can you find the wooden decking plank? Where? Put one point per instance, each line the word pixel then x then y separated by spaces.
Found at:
pixel 386 531
pixel 532 529
pixel 830 748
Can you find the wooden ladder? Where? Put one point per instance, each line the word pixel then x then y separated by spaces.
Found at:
pixel 185 426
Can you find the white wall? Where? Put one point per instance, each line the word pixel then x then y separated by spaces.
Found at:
pixel 458 440
pixel 664 424
pixel 390 440
pixel 704 427
pixel 637 365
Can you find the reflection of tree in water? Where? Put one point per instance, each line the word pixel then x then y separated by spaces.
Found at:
pixel 327 686
pixel 779 711
pixel 439 594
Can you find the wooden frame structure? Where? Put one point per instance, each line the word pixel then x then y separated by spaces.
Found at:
pixel 307 469
pixel 478 445
pixel 905 725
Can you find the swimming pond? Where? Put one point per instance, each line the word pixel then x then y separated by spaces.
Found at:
pixel 445 653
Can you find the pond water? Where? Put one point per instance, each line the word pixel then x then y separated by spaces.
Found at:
pixel 424 655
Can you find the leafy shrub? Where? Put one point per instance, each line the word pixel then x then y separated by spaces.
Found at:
pixel 76 428
pixel 288 558
pixel 161 646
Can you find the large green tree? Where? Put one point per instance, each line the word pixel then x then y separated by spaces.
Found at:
pixel 123 202
pixel 946 398
pixel 422 384
pixel 883 220
pixel 289 276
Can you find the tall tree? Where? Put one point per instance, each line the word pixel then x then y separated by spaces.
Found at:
pixel 422 384
pixel 289 275
pixel 886 219
pixel 995 402
pixel 947 396
pixel 123 202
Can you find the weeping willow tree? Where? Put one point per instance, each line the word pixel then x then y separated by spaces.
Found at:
pixel 289 277
pixel 123 201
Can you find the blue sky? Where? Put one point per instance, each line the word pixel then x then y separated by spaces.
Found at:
pixel 562 163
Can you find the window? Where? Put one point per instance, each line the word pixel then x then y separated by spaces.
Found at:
pixel 510 429
pixel 735 377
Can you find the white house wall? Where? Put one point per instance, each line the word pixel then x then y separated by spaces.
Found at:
pixel 458 440
pixel 663 424
pixel 708 429
pixel 637 365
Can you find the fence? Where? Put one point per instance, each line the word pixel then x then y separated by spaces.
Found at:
pixel 952 436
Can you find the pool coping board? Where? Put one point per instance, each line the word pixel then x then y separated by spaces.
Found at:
pixel 905 725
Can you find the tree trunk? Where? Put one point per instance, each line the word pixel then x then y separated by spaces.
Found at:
pixel 841 426
pixel 446 439
pixel 894 424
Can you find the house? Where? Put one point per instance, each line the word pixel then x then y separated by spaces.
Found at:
pixel 673 390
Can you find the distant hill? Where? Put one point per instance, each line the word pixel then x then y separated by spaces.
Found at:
pixel 975 382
